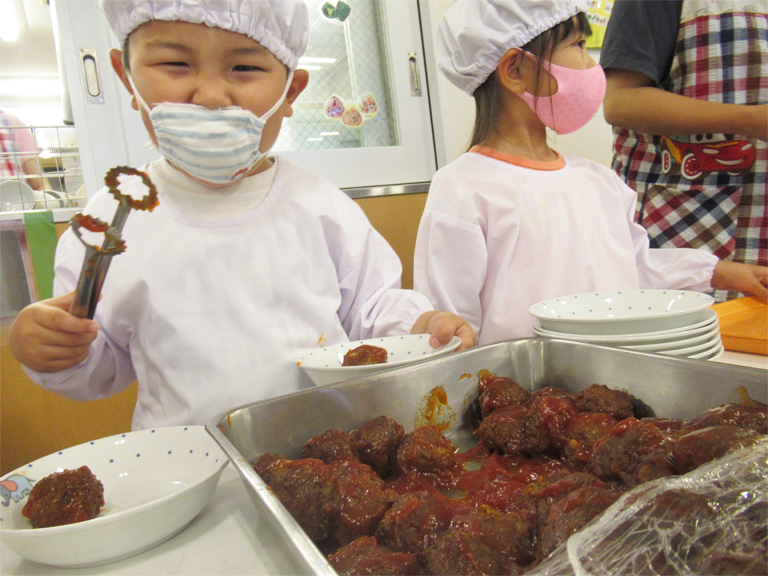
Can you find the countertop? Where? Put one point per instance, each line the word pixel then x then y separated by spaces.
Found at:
pixel 744 359
pixel 228 536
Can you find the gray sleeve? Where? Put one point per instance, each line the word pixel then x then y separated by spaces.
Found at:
pixel 641 36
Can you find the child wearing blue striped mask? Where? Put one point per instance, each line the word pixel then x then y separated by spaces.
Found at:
pixel 249 261
pixel 212 99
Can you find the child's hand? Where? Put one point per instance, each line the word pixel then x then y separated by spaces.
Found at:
pixel 746 278
pixel 443 326
pixel 47 338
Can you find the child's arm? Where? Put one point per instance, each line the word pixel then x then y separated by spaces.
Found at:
pixel 450 265
pixel 47 338
pixel 633 101
pixel 443 326
pixel 745 278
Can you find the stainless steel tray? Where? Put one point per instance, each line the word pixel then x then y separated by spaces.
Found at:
pixel 673 387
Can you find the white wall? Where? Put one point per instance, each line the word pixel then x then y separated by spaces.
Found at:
pixel 32 57
pixel 454 111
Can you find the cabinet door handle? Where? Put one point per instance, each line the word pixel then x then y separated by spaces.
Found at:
pixel 91 76
pixel 413 73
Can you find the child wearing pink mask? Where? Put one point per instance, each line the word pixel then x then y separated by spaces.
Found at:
pixel 513 222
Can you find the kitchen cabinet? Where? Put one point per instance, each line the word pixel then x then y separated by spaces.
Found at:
pixel 35 422
pixel 364 120
pixel 397 217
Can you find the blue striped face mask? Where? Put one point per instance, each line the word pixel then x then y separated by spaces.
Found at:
pixel 215 146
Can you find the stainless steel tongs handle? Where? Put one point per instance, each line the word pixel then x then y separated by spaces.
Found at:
pixel 98 258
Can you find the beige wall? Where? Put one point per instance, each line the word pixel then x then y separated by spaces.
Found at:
pixel 397 219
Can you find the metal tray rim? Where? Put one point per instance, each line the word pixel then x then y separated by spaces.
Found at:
pixel 282 521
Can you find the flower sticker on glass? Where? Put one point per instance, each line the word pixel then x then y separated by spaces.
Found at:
pixel 352 117
pixel 352 114
pixel 368 105
pixel 334 107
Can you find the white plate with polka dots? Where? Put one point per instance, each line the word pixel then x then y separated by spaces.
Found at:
pixel 155 482
pixel 672 336
pixel 324 365
pixel 623 311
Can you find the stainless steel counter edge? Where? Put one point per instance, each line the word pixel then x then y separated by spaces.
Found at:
pixel 392 190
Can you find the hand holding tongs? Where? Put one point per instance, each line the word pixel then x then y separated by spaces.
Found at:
pixel 98 258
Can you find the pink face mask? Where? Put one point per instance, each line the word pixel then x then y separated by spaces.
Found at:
pixel 578 98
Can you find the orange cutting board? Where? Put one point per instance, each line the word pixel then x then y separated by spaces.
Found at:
pixel 743 325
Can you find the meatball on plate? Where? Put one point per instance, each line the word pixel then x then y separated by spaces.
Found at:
pixel 124 494
pixel 361 358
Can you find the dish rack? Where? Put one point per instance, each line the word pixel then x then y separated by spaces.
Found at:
pixel 53 180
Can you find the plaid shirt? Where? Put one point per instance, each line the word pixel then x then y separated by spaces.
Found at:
pixel 707 191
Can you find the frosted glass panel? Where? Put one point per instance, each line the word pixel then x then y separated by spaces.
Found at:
pixel 349 100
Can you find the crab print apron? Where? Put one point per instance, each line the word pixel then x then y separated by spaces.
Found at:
pixel 707 190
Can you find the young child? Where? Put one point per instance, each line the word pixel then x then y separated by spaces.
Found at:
pixel 248 261
pixel 513 222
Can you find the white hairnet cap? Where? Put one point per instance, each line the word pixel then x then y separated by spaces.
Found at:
pixel 474 34
pixel 281 26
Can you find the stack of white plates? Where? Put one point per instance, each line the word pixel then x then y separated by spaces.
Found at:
pixel 674 322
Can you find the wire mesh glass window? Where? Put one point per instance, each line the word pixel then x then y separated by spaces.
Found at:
pixel 349 101
pixel 39 168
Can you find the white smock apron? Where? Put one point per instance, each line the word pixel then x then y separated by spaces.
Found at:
pixel 220 291
pixel 499 234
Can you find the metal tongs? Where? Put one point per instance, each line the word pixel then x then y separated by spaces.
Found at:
pixel 98 258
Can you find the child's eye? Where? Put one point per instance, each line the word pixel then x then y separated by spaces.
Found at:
pixel 173 63
pixel 582 44
pixel 246 68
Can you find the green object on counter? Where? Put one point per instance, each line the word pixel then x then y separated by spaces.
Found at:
pixel 42 240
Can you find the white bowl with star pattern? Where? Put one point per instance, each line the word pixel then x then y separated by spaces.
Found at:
pixel 155 482
pixel 622 311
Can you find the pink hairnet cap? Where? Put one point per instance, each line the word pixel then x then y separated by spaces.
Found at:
pixel 281 26
pixel 474 34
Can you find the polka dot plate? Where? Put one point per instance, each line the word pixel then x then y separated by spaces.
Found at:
pixel 155 482
pixel 324 364
pixel 622 312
